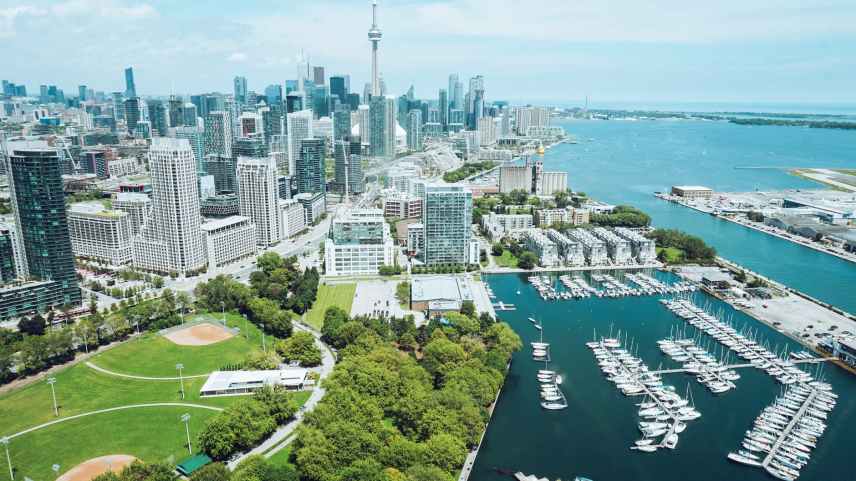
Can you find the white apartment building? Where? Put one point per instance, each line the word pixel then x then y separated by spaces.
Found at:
pixel 570 252
pixel 568 215
pixel 546 250
pixel 137 206
pixel 402 206
pixel 100 234
pixel 594 249
pixel 531 117
pixel 124 166
pixel 498 225
pixel 359 244
pixel 618 248
pixel 258 197
pixel 415 238
pixel 487 131
pixel 229 240
pixel 172 240
pixel 644 249
pixel 292 218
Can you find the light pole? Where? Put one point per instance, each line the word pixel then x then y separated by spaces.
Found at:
pixel 52 381
pixel 223 305
pixel 180 366
pixel 246 332
pixel 186 418
pixel 264 347
pixel 5 442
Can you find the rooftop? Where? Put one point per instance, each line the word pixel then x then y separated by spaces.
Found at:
pixel 225 222
pixel 440 288
pixel 220 381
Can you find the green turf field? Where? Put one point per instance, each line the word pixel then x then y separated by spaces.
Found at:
pixel 149 433
pixel 161 355
pixel 341 295
pixel 507 259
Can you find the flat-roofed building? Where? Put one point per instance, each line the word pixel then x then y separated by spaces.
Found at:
pixel 692 191
pixel 552 182
pixel 618 248
pixel 402 206
pixel 570 252
pixel 235 383
pixel 498 225
pixel 515 177
pixel 594 249
pixel 437 295
pixel 292 218
pixel 100 234
pixel 644 249
pixel 229 239
pixel 447 217
pixel 415 238
pixel 536 241
pixel 568 215
pixel 314 205
pixel 137 206
pixel 359 244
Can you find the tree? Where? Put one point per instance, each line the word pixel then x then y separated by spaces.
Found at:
pixel 334 318
pixel 496 249
pixel 212 472
pixel 269 261
pixel 267 313
pixel 468 308
pixel 445 451
pixel 222 292
pixel 300 347
pixel 34 326
pixel 402 293
pixel 527 260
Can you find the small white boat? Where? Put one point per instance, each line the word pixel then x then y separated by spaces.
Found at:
pixel 647 449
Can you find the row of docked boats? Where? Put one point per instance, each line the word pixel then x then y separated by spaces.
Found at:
pixel 663 413
pixel 711 373
pixel 577 288
pixel 744 345
pixel 652 286
pixel 545 288
pixel 785 433
pixel 549 381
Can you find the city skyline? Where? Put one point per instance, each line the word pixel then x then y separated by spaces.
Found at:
pixel 672 52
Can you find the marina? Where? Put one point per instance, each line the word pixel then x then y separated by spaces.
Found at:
pixel 610 286
pixel 554 443
pixel 664 412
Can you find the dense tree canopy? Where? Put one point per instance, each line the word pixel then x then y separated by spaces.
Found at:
pixel 622 216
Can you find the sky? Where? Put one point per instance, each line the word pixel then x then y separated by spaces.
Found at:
pixel 560 51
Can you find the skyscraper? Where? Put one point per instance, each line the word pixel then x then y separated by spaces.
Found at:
pixel 159 117
pixel 38 201
pixel 447 219
pixel 218 133
pixel 349 168
pixel 196 137
pixel 130 88
pixel 475 109
pixel 258 197
pixel 241 90
pixel 444 108
pixel 132 114
pixel 318 75
pixel 311 172
pixel 454 92
pixel 299 128
pixel 382 126
pixel 414 130
pixel 374 37
pixel 172 240
pixel 340 86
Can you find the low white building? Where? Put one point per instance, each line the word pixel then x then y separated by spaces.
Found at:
pixel 415 238
pixel 594 249
pixel 618 248
pixel 359 244
pixel 100 234
pixel 570 252
pixel 229 240
pixel 568 215
pixel 236 383
pixel 644 249
pixel 498 225
pixel 292 218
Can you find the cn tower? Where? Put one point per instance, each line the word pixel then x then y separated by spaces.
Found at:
pixel 374 38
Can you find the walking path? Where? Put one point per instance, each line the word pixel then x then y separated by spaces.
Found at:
pixel 144 378
pixel 119 408
pixel 280 438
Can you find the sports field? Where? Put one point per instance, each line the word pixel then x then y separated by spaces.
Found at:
pixel 148 433
pixel 340 295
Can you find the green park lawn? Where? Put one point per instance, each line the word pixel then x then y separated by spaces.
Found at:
pixel 150 433
pixel 507 259
pixel 340 295
pixel 161 355
pixel 281 457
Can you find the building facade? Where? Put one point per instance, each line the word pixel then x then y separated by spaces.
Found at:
pixel 359 244
pixel 258 196
pixel 229 240
pixel 100 234
pixel 447 219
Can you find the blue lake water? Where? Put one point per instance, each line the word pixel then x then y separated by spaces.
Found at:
pixel 624 162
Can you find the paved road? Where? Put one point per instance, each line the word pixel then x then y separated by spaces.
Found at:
pixel 118 408
pixel 276 441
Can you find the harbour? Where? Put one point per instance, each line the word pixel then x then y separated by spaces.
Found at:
pixel 597 410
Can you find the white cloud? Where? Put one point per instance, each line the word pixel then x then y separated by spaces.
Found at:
pixel 102 8
pixel 9 16
pixel 237 57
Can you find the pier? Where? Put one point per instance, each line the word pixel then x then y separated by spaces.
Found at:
pixel 790 427
pixel 745 365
